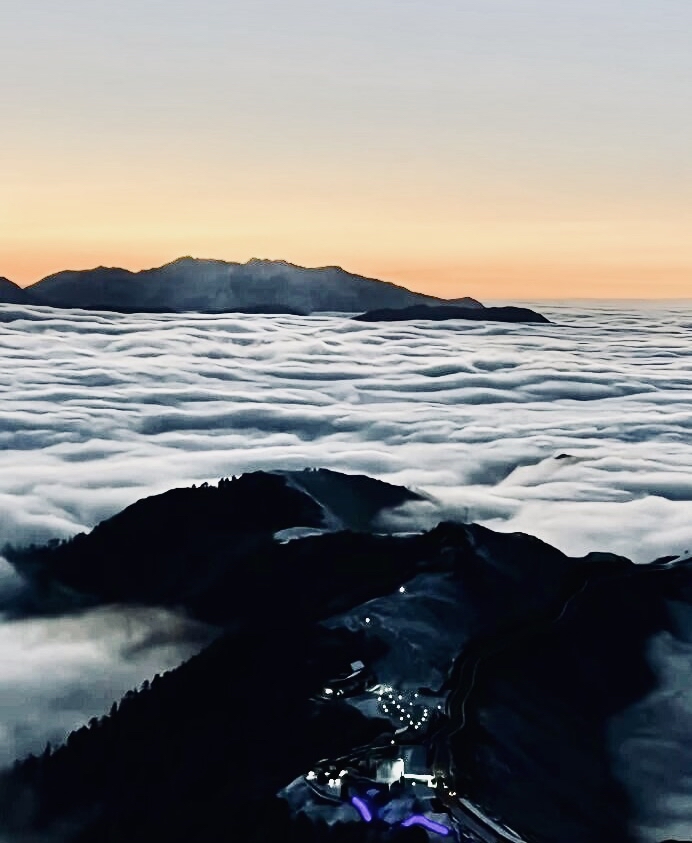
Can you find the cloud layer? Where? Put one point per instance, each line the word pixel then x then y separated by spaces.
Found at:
pixel 98 410
pixel 56 673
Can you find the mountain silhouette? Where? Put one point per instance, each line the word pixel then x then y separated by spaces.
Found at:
pixel 441 312
pixel 11 293
pixel 550 651
pixel 192 546
pixel 192 284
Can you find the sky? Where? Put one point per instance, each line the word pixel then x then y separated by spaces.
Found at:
pixel 491 148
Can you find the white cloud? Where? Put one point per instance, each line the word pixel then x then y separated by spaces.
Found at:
pixel 649 741
pixel 56 673
pixel 98 410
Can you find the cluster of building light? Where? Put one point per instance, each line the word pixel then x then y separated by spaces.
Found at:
pixel 398 705
pixel 408 710
pixel 333 783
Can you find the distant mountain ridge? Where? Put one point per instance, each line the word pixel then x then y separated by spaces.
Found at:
pixel 11 293
pixel 442 312
pixel 217 286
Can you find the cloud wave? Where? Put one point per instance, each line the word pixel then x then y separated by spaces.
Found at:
pixel 99 409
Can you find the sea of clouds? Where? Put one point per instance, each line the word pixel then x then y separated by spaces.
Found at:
pixel 578 432
pixel 98 410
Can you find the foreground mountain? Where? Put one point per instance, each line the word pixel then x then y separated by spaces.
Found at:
pixel 11 293
pixel 527 693
pixel 437 313
pixel 210 286
pixel 192 547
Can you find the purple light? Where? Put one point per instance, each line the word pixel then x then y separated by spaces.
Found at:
pixel 431 825
pixel 362 808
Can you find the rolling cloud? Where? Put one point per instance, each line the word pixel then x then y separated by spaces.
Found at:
pixel 58 672
pixel 101 409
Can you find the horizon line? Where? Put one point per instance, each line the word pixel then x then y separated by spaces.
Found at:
pixel 404 285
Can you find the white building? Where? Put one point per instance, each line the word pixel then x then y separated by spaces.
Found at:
pixel 411 767
pixel 390 771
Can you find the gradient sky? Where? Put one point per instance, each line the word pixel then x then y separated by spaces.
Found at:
pixel 496 148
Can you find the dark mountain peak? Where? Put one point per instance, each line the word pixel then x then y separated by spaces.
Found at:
pixel 186 547
pixel 11 293
pixel 81 275
pixel 339 270
pixel 189 263
pixel 444 311
pixel 215 286
pixel 466 301
pixel 273 262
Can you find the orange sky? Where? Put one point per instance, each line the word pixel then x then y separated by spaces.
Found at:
pixel 513 275
pixel 484 148
pixel 485 258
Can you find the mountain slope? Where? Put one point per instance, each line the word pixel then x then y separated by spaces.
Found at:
pixel 220 286
pixel 191 547
pixel 551 648
pixel 174 761
pixel 11 293
pixel 536 659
